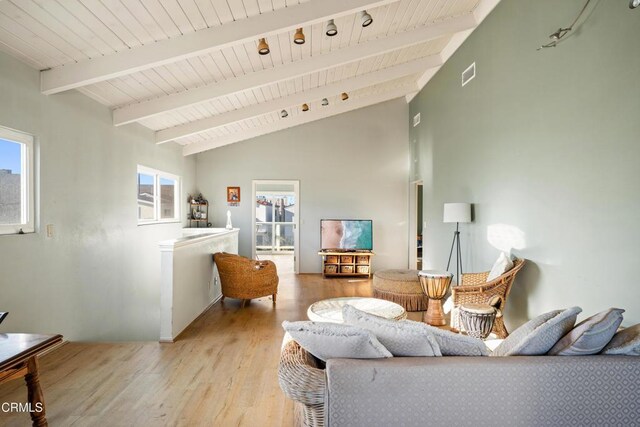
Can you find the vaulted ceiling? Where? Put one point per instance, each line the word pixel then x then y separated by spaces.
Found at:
pixel 190 69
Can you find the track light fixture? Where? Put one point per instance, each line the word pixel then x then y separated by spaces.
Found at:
pixel 325 102
pixel 284 114
pixel 263 47
pixel 331 29
pixel 298 38
pixel 305 107
pixel 365 18
pixel 561 32
pixel 344 96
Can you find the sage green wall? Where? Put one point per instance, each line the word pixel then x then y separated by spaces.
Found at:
pixel 544 141
pixel 98 277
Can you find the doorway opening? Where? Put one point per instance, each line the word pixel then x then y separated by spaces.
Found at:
pixel 275 223
pixel 419 224
pixel 416 224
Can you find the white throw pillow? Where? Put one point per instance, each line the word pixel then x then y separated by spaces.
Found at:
pixel 538 335
pixel 333 340
pixel 401 338
pixel 501 266
pixel 626 342
pixel 452 344
pixel 589 336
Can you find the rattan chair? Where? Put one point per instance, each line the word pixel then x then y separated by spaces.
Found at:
pixel 474 288
pixel 302 379
pixel 246 279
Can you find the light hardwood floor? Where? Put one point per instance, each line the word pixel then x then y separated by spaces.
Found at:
pixel 222 371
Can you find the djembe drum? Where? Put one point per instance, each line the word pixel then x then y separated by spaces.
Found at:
pixel 435 285
pixel 477 319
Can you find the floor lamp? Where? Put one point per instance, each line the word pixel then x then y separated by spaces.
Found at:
pixel 456 212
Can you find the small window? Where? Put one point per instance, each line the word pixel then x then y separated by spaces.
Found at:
pixel 16 182
pixel 158 196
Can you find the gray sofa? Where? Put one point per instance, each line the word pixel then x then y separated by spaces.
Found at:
pixel 462 391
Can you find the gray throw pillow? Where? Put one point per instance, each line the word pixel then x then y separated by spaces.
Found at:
pixel 625 342
pixel 333 340
pixel 589 336
pixel 538 335
pixel 452 344
pixel 401 338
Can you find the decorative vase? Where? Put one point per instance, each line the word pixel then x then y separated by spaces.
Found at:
pixel 229 225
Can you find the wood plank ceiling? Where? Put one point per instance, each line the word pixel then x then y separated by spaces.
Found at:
pixel 190 70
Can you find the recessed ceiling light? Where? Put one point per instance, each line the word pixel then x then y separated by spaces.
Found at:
pixel 325 102
pixel 344 96
pixel 284 114
pixel 305 107
pixel 634 3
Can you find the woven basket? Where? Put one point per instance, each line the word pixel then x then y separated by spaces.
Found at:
pixel 301 378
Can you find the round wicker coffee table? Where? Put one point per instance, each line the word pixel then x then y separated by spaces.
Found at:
pixel 330 310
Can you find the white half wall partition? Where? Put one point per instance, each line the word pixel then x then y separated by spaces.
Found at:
pixel 190 283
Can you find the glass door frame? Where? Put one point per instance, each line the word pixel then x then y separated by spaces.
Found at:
pixel 274 224
pixel 296 217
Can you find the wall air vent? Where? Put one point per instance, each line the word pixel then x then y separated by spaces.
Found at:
pixel 469 74
pixel 416 120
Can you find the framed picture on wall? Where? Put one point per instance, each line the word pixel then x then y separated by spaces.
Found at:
pixel 233 194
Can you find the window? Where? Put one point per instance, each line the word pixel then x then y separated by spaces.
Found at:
pixel 16 182
pixel 158 196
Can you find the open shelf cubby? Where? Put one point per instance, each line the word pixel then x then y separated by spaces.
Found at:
pixel 346 263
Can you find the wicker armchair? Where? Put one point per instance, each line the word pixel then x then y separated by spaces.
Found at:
pixel 474 288
pixel 302 379
pixel 246 279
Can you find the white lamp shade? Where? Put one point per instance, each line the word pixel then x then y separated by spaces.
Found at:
pixel 457 212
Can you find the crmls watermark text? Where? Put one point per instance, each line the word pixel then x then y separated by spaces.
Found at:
pixel 21 407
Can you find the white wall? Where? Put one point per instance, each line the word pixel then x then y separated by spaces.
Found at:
pixel 190 281
pixel 354 165
pixel 98 278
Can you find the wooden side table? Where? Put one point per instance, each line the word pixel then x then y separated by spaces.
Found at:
pixel 18 359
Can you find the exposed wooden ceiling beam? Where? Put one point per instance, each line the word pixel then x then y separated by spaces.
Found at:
pixel 346 85
pixel 141 58
pixel 311 116
pixel 138 111
pixel 479 13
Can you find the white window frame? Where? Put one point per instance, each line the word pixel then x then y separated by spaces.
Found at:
pixel 27 182
pixel 157 205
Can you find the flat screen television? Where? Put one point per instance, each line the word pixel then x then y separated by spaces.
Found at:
pixel 346 234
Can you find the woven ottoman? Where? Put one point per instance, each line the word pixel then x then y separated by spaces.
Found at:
pixel 401 287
